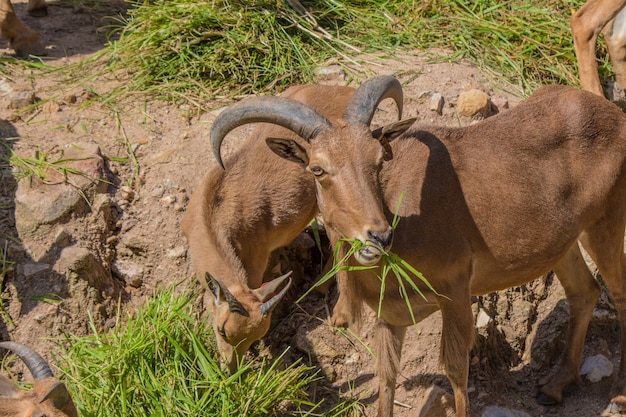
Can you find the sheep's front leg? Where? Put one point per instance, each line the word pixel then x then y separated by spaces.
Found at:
pixel 457 338
pixel 388 341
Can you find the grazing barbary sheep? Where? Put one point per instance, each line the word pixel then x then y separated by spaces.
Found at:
pixel 49 397
pixel 594 17
pixel 485 207
pixel 237 217
pixel 22 39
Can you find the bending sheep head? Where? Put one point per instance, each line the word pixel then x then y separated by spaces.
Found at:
pixel 48 398
pixel 237 327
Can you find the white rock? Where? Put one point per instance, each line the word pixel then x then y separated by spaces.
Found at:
pixel 596 368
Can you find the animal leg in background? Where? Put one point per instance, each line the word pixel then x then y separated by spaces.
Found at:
pixel 22 39
pixel 582 292
pixel 595 17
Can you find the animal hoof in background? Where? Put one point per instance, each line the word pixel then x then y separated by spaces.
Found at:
pixel 339 320
pixel 617 407
pixel 35 49
pixel 545 399
pixel 38 8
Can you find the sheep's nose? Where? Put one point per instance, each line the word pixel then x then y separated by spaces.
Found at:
pixel 381 239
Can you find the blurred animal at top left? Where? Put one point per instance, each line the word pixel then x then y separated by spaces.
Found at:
pixel 22 39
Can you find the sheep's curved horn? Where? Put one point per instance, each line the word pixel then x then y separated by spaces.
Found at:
pixel 367 97
pixel 282 111
pixel 37 366
pixel 268 306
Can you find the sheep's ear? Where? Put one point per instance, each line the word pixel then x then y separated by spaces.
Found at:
pixel 393 130
pixel 8 389
pixel 288 149
pixel 58 395
pixel 222 293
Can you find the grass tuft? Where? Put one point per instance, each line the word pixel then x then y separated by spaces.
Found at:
pixel 163 362
pixel 212 49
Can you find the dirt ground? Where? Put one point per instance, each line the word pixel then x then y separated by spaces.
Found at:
pixel 520 344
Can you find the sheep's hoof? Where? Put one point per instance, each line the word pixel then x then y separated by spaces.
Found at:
pixel 545 399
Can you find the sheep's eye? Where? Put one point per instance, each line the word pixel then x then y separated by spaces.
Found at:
pixel 222 332
pixel 317 171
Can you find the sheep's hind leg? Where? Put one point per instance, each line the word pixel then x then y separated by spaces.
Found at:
pixel 582 291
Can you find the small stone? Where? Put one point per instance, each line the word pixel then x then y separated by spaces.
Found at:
pixel 168 200
pixel 51 107
pixel 502 412
pixel 474 103
pixel 500 103
pixel 70 98
pixel 177 252
pixel 436 103
pixel 34 268
pixel 330 73
pixel 482 318
pixel 158 192
pixel 21 99
pixel 129 272
pixel 596 368
pixel 127 225
pixel 62 237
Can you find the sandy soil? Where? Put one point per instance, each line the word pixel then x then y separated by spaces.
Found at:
pixel 521 345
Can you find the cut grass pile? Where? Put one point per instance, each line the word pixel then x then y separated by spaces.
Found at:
pixel 223 48
pixel 163 362
pixel 210 49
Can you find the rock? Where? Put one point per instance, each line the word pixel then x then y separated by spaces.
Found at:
pixel 51 107
pixel 39 205
pixel 31 269
pixel 16 96
pixel 502 412
pixel 596 368
pixel 500 103
pixel 168 200
pixel 20 99
pixel 128 224
pixel 79 264
pixel 158 191
pixel 62 237
pixel 177 252
pixel 437 403
pixel 129 271
pixel 330 73
pixel 135 241
pixel 482 318
pixel 436 103
pixel 474 103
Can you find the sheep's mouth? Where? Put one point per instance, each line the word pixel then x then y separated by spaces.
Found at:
pixel 369 255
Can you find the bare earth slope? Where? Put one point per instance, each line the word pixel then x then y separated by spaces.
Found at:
pixel 128 242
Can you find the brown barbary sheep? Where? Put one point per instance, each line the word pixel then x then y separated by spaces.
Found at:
pixel 49 396
pixel 22 39
pixel 238 216
pixel 485 207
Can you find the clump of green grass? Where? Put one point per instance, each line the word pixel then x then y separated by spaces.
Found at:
pixel 163 362
pixel 213 48
pixel 41 166
pixel 6 267
pixel 529 43
pixel 390 262
pixel 216 47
